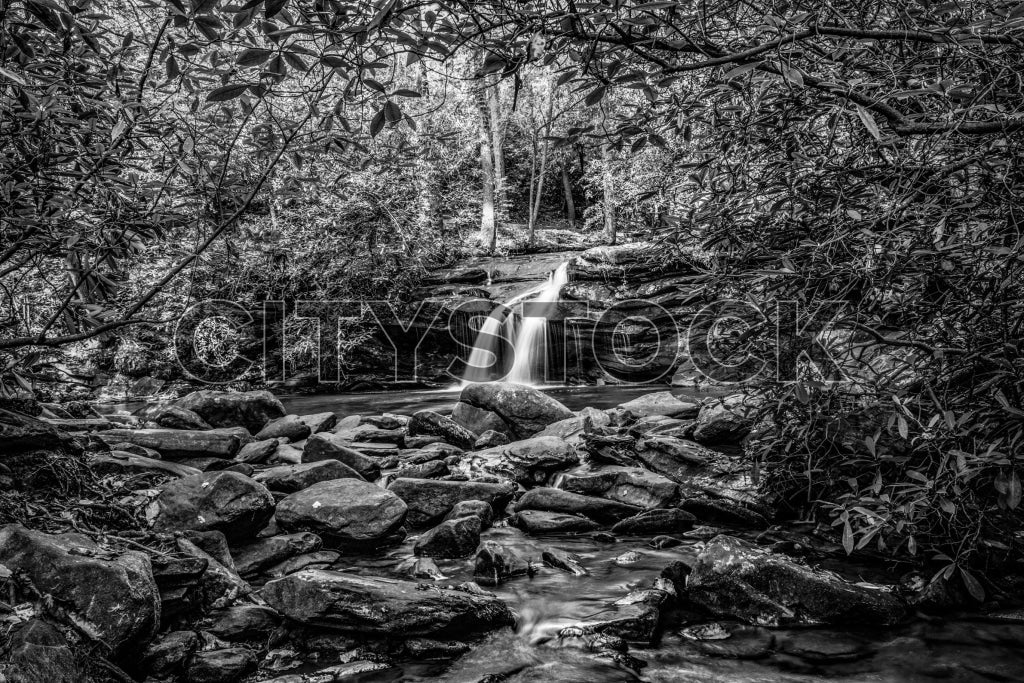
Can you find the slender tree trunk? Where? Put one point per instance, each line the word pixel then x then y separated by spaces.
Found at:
pixel 608 184
pixel 429 214
pixel 535 206
pixel 497 148
pixel 570 206
pixel 488 226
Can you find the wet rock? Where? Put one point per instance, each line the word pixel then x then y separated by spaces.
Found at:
pixel 249 409
pixel 177 443
pixel 263 553
pixel 490 439
pixel 176 417
pixel 429 500
pixel 20 433
pixel 528 462
pixel 319 559
pixel 222 501
pixel 557 500
pixel 567 562
pixel 327 446
pixel 292 478
pixel 422 568
pixel 344 510
pixel 496 564
pixel 731 641
pixel 221 666
pixel 481 421
pixel 572 429
pixel 434 424
pixel 477 508
pixel 635 622
pixel 655 521
pixel 451 538
pixel 735 578
pixel 319 422
pixel 536 522
pixel 415 442
pixel 660 403
pixel 629 557
pixel 723 421
pixel 381 606
pixel 257 451
pixel 677 459
pixel 630 485
pixel 111 595
pixel 610 449
pixel 166 656
pixel 433 469
pixel 525 409
pixel 37 652
pixel 718 511
pixel 662 542
pixel 242 623
pixel 824 647
pixel 220 584
pixel 290 427
pixel 423 648
pixel 120 462
pixel 368 433
pixel 349 671
pixel 214 543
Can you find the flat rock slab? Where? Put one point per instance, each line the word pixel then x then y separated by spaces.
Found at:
pixel 557 500
pixel 429 500
pixel 380 606
pixel 177 443
pixel 536 522
pixel 660 403
pixel 292 478
pixel 213 501
pixel 344 510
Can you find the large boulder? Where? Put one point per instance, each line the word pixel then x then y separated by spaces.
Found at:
pixel 176 417
pixel 223 501
pixel 480 421
pixel 557 500
pixel 526 410
pixel 249 409
pixel 290 427
pixel 656 522
pixel 344 510
pixel 451 538
pixel 495 564
pixel 110 595
pixel 660 403
pixel 736 579
pixel 724 421
pixel 677 459
pixel 378 606
pixel 572 429
pixel 536 522
pixel 429 423
pixel 292 478
pixel 176 444
pixel 263 553
pixel 37 652
pixel 429 500
pixel 528 462
pixel 631 485
pixel 328 446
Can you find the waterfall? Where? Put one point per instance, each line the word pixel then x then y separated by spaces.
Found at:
pixel 527 336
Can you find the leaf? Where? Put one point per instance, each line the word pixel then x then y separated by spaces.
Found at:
pixel 272 7
pixel 334 61
pixel 869 122
pixel 972 585
pixel 227 92
pixel 392 112
pixel 377 123
pixel 901 426
pixel 1013 491
pixel 492 64
pixel 405 92
pixel 741 69
pixel 847 538
pixel 595 95
pixel 374 85
pixel 253 56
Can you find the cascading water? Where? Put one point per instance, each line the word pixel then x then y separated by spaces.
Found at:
pixel 527 336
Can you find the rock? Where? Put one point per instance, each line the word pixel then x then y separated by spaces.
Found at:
pixel 252 558
pixel 416 442
pixel 636 622
pixel 654 522
pixel 223 501
pixel 433 424
pixel 110 595
pixel 737 579
pixel 432 469
pixel 825 647
pixel 662 542
pixel 422 568
pixel 327 446
pixel 629 557
pixel 725 421
pixel 122 462
pixel 422 648
pixel 319 422
pixel 242 622
pixel 631 485
pixel 535 522
pixel 717 511
pixel 660 403
pixel 677 459
pixel 249 409
pixel 567 562
pixel 344 510
pixel 176 417
pixel 380 606
pixel 526 410
pixel 292 478
pixel 614 449
pixel 177 443
pixel 257 451
pixel 219 584
pixel 166 656
pixel 480 421
pixel 450 539
pixel 731 641
pixel 36 652
pixel 368 433
pixel 20 433
pixel 496 564
pixel 572 429
pixel 290 427
pixel 557 500
pixel 214 544
pixel 528 462
pixel 490 439
pixel 221 666
pixel 478 508
pixel 429 500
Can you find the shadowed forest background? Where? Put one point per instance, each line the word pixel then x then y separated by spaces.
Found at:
pixel 861 155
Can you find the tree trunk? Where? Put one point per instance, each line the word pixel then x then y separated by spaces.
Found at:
pixel 535 206
pixel 497 126
pixel 429 213
pixel 488 226
pixel 608 183
pixel 570 205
